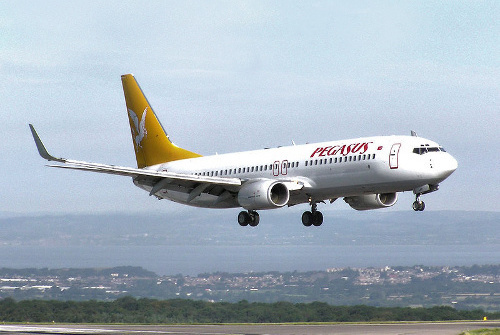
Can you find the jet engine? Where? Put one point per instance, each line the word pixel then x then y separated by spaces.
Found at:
pixel 263 194
pixel 372 201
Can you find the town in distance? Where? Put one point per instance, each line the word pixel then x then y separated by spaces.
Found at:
pixel 473 287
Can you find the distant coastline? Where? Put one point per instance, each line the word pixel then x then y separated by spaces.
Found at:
pixel 198 243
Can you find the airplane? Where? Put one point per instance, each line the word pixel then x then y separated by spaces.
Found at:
pixel 366 172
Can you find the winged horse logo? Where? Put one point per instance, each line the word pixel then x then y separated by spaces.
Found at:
pixel 140 131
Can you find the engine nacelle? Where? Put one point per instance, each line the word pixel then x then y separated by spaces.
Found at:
pixel 263 194
pixel 372 201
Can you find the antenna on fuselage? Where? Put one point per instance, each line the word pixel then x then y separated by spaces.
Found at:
pixel 413 133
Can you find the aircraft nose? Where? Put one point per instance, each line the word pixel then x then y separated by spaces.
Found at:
pixel 449 165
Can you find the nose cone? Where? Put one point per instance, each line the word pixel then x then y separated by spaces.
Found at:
pixel 448 165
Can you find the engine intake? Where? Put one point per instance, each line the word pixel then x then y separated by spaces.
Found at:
pixel 372 201
pixel 263 194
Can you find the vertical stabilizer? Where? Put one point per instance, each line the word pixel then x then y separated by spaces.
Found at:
pixel 151 143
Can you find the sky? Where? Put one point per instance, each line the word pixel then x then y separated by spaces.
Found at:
pixel 227 76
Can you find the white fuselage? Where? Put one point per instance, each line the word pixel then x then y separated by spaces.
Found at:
pixel 326 170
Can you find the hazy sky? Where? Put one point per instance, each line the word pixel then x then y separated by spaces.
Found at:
pixel 227 76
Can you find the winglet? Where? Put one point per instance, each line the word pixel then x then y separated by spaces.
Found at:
pixel 41 148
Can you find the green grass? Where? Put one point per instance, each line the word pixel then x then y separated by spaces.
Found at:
pixel 495 331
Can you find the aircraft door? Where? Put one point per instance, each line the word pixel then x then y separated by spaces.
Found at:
pixel 394 156
pixel 284 167
pixel 276 168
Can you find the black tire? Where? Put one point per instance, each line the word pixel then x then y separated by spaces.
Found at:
pixel 244 218
pixel 418 206
pixel 254 219
pixel 307 219
pixel 317 218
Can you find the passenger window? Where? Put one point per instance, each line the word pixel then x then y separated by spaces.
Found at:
pixel 373 156
pixel 297 164
pixel 306 163
pixel 354 158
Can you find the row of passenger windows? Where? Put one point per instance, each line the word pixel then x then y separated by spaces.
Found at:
pixel 249 169
pixel 283 165
pixel 340 159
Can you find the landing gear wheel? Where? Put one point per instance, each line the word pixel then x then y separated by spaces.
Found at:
pixel 418 206
pixel 313 217
pixel 251 218
pixel 244 218
pixel 307 219
pixel 317 218
pixel 254 219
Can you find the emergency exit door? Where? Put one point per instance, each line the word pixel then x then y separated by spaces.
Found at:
pixel 394 156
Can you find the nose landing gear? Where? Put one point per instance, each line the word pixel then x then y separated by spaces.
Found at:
pixel 418 205
pixel 314 217
pixel 251 218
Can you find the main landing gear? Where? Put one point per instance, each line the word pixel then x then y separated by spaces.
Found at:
pixel 248 218
pixel 313 217
pixel 418 205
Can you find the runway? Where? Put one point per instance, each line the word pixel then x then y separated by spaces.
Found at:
pixel 444 328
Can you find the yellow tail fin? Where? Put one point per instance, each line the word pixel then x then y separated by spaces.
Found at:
pixel 151 143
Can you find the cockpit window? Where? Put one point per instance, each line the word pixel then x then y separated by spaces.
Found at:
pixel 422 150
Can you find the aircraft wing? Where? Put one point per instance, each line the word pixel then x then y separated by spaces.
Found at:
pixel 144 174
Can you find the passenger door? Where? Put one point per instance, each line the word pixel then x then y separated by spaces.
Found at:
pixel 394 156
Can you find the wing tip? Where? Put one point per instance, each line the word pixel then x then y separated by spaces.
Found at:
pixel 41 148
